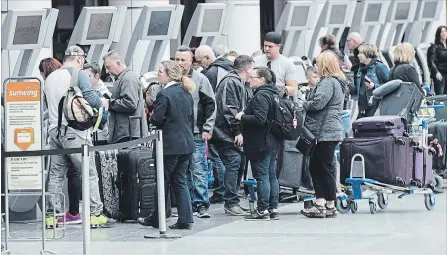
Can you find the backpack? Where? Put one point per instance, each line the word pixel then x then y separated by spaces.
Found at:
pixel 77 111
pixel 288 118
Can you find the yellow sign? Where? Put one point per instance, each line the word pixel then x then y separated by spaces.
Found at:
pixel 23 131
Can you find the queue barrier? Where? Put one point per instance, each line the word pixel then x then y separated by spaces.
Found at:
pixel 85 150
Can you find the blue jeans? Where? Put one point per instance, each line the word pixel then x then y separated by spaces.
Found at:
pixel 231 159
pixel 198 174
pixel 220 168
pixel 440 85
pixel 264 171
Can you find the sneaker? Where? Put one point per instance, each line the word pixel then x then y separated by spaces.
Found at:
pixel 236 210
pixel 317 211
pixel 51 221
pixel 258 216
pixel 202 212
pixel 274 215
pixel 70 219
pixel 216 199
pixel 331 212
pixel 97 221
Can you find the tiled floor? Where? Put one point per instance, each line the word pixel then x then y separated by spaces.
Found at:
pixel 405 227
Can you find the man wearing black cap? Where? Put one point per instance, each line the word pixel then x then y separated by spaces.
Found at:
pixel 280 65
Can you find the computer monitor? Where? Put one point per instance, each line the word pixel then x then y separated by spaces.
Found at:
pixel 96 25
pixel 402 11
pixel 158 23
pixel 337 15
pixel 23 30
pixel 211 20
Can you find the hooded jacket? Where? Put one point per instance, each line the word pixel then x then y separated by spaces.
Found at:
pixel 258 139
pixel 232 96
pixel 220 66
pixel 378 73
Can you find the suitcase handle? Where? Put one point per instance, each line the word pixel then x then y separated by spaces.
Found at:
pixel 130 126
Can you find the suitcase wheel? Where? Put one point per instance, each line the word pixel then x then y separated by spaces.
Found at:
pixel 354 206
pixel 414 143
pixel 401 142
pixel 432 151
pixel 400 181
pixel 430 201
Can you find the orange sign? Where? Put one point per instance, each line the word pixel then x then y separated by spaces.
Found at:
pixel 23 137
pixel 23 92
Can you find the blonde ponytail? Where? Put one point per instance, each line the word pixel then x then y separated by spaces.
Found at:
pixel 188 84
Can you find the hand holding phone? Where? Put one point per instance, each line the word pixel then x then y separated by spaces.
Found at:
pixel 368 82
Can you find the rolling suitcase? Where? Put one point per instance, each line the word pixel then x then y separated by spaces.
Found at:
pixel 290 166
pixel 136 180
pixel 378 126
pixel 388 159
pixel 107 168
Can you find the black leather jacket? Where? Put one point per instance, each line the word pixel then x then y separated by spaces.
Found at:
pixel 437 59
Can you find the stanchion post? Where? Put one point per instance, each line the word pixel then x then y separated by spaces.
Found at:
pixel 85 199
pixel 161 191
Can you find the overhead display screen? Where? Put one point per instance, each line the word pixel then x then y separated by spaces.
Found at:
pixel 99 26
pixel 338 14
pixel 27 30
pixel 159 23
pixel 402 11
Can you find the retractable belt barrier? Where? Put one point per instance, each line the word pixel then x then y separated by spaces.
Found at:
pixel 85 151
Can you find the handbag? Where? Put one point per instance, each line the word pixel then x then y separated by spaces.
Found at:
pixel 308 141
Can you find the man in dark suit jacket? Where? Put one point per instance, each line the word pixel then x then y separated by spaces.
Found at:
pixel 174 114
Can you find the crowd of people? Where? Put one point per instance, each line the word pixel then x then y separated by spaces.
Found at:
pixel 223 102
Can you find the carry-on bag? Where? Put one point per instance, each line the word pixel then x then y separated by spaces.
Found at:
pixel 377 126
pixel 107 168
pixel 136 180
pixel 388 159
pixel 290 165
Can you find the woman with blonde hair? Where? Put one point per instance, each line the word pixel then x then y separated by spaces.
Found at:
pixel 403 57
pixel 173 113
pixel 324 108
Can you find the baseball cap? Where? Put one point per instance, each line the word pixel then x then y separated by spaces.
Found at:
pixel 273 37
pixel 74 51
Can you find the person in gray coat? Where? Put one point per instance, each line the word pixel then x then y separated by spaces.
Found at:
pixel 204 117
pixel 324 110
pixel 127 100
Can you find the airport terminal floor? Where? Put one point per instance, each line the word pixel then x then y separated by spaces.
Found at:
pixel 405 227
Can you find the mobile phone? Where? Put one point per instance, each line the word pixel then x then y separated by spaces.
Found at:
pixel 367 79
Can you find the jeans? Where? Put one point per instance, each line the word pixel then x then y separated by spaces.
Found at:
pixel 60 165
pixel 220 168
pixel 197 175
pixel 323 172
pixel 231 159
pixel 264 171
pixel 440 85
pixel 175 168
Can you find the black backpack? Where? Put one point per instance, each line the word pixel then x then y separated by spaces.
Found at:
pixel 288 118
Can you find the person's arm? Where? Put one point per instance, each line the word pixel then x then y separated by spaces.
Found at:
pixel 291 79
pixel 88 92
pixel 233 99
pixel 208 102
pixel 382 73
pixel 413 76
pixel 128 97
pixel 160 107
pixel 260 110
pixel 323 95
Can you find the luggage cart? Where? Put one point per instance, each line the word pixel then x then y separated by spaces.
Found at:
pixel 363 188
pixel 376 192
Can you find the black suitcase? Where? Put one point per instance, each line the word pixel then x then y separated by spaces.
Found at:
pixel 441 113
pixel 290 165
pixel 387 159
pixel 136 180
pixel 439 131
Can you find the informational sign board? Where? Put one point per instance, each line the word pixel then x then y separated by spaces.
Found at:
pixel 23 132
